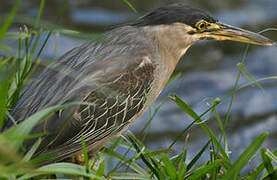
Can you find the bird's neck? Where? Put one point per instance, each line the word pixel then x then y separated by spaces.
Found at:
pixel 169 42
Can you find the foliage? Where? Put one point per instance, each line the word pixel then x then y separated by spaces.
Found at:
pixel 141 162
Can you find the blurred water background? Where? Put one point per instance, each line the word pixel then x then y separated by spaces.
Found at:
pixel 208 69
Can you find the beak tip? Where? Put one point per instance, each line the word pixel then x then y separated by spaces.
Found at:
pixel 269 43
pixel 272 43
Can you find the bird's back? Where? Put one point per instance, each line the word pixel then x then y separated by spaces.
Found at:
pixel 111 74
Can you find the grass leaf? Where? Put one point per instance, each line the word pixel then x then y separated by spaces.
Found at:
pixel 133 165
pixel 130 5
pixel 42 2
pixel 9 20
pixel 244 158
pixel 25 127
pixel 169 167
pixel 198 155
pixel 85 153
pixel 249 75
pixel 267 161
pixel 129 176
pixel 61 168
pixel 33 149
pixel 190 112
pixel 204 170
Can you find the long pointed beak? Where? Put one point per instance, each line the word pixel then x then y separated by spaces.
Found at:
pixel 222 32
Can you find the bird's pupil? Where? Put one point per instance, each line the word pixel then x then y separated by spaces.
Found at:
pixel 202 25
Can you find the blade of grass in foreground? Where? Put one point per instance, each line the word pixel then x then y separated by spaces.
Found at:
pixel 257 171
pixel 33 149
pixel 41 7
pixel 272 155
pixel 50 32
pixel 129 176
pixel 151 163
pixel 267 161
pixel 62 168
pixel 133 165
pixel 85 153
pixel 196 158
pixel 130 5
pixel 203 171
pixel 9 20
pixel 240 65
pixel 169 167
pixel 7 154
pixel 27 125
pixel 5 80
pixel 190 112
pixel 244 158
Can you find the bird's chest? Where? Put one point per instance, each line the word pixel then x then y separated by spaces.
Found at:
pixel 161 76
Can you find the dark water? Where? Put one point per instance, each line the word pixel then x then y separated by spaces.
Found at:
pixel 209 68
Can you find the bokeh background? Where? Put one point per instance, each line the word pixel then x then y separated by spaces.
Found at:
pixel 209 69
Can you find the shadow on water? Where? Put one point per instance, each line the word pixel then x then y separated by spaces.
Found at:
pixel 210 73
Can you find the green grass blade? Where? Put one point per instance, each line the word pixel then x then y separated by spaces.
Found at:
pixel 133 165
pixel 21 35
pixel 130 5
pixel 4 61
pixel 255 173
pixel 85 153
pixel 160 151
pixel 129 176
pixel 249 75
pixel 190 112
pixel 173 78
pixel 271 155
pixel 221 126
pixel 182 134
pixel 267 161
pixel 31 136
pixel 147 163
pixel 12 170
pixel 228 114
pixel 34 47
pixel 182 156
pixel 27 125
pixel 33 149
pixel 7 154
pixel 244 158
pixel 61 168
pixel 41 7
pixel 43 158
pixel 101 170
pixel 186 108
pixel 5 48
pixel 272 176
pixel 182 171
pixel 5 81
pixel 169 167
pixel 198 155
pixel 152 164
pixel 217 117
pixel 203 171
pixel 9 20
pixel 151 117
pixel 49 33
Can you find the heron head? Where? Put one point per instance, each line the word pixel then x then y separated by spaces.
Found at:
pixel 188 25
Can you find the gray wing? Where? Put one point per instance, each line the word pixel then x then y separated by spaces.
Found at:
pixel 113 105
pixel 114 81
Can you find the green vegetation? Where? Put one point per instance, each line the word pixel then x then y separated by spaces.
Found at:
pixel 143 163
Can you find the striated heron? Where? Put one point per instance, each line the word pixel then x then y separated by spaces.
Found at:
pixel 119 77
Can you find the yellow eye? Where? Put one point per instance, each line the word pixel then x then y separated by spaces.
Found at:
pixel 201 25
